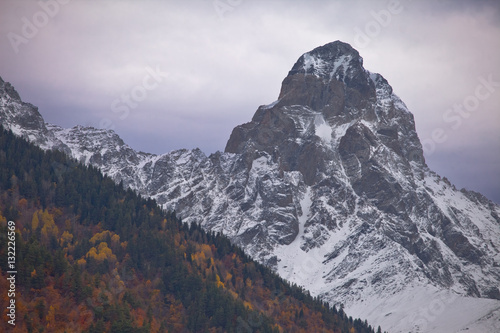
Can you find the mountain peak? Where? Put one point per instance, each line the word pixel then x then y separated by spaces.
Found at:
pixel 326 92
pixel 329 79
pixel 332 60
pixel 9 90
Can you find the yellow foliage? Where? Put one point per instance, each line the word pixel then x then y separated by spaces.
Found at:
pixel 81 262
pixel 218 281
pixel 248 282
pixel 92 252
pixel 248 305
pixel 228 277
pixel 234 294
pixel 103 248
pixel 102 253
pixel 50 318
pixel 35 221
pixel 99 237
pixel 33 273
pixel 57 212
pixel 49 227
pixel 207 250
pixel 66 237
pixel 198 257
pixel 115 239
pixel 46 217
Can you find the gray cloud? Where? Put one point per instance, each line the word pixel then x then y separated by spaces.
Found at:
pixel 221 65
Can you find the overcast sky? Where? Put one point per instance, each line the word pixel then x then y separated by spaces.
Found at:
pixel 182 74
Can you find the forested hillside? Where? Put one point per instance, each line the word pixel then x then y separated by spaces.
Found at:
pixel 94 257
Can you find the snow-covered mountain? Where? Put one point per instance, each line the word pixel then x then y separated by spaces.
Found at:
pixel 328 185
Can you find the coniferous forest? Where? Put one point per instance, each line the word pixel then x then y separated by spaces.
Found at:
pixel 92 256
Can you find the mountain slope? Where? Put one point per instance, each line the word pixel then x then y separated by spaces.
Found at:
pixel 94 257
pixel 328 186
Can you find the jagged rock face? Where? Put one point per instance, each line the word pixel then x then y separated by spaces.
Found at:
pixel 354 143
pixel 24 119
pixel 327 185
pixel 330 79
pixel 324 93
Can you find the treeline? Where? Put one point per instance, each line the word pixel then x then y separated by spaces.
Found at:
pixel 94 257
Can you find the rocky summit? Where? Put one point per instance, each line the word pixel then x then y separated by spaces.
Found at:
pixel 327 185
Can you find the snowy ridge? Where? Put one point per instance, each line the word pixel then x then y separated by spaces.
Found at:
pixel 320 68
